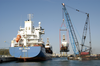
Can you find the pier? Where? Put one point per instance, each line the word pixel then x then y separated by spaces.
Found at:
pixel 72 57
pixel 6 58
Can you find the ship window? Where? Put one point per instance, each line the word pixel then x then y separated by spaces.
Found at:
pixel 29 28
pixel 26 28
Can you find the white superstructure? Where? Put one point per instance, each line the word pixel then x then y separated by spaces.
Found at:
pixel 64 42
pixel 29 35
pixel 48 44
pixel 48 47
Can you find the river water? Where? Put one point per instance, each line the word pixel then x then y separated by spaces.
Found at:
pixel 54 62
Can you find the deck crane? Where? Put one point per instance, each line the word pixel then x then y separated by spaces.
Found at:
pixel 73 38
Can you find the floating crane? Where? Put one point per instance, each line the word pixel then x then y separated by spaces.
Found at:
pixel 73 37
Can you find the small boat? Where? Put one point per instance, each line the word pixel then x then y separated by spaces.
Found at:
pixel 48 47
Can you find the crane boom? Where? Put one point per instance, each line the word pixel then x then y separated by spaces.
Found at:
pixel 72 32
pixel 85 32
pixel 87 23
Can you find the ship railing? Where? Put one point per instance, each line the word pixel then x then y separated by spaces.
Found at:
pixel 30 34
pixel 42 31
pixel 33 38
pixel 32 42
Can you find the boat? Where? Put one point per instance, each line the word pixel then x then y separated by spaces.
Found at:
pixel 64 45
pixel 48 47
pixel 29 45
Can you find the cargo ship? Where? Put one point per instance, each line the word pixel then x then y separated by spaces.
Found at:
pixel 29 45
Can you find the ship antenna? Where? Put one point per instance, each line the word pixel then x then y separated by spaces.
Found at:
pixel 47 40
pixel 20 21
pixel 30 16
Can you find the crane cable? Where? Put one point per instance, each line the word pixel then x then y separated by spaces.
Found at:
pixel 73 23
pixel 76 9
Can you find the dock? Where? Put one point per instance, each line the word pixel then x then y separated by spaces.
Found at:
pixel 72 57
pixel 5 58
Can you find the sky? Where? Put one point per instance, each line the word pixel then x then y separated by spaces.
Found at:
pixel 13 13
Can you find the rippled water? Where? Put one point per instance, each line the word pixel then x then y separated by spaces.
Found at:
pixel 54 62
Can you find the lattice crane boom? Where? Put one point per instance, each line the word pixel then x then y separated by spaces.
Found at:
pixel 74 41
pixel 87 23
pixel 85 32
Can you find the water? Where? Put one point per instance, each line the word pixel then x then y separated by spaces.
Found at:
pixel 54 62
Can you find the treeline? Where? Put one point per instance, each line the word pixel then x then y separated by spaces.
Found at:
pixel 4 52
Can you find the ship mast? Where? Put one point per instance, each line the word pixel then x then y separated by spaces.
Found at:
pixel 28 28
pixel 30 16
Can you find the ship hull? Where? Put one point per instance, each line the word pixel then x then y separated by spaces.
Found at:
pixel 64 49
pixel 35 53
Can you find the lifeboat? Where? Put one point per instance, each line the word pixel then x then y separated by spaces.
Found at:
pixel 18 38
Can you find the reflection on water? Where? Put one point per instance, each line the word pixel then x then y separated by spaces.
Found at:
pixel 54 62
pixel 60 59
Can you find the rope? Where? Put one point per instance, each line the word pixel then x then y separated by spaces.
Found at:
pixel 76 9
